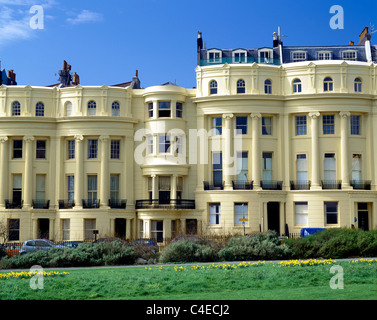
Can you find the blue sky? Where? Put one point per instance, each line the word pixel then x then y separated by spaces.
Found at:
pixel 106 41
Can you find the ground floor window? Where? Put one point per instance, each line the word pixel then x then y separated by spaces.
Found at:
pixel 301 213
pixel 13 229
pixel 89 226
pixel 331 212
pixel 240 213
pixel 214 213
pixel 157 230
pixel 66 226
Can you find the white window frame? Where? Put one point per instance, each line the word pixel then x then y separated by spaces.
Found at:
pixel 349 51
pixel 215 59
pixel 301 213
pixel 264 59
pixel 324 53
pixel 293 53
pixel 214 213
pixel 242 56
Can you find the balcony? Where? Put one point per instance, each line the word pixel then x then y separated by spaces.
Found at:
pixel 172 204
pixel 242 185
pixel 271 185
pixel 213 185
pixel 117 204
pixel 13 204
pixel 300 185
pixel 41 204
pixel 231 60
pixel 331 184
pixel 361 184
pixel 66 204
pixel 90 203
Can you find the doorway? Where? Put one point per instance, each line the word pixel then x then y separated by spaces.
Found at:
pixel 363 216
pixel 273 216
pixel 191 226
pixel 44 228
pixel 120 228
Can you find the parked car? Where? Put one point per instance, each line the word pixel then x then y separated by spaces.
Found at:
pixel 70 244
pixel 145 242
pixel 37 244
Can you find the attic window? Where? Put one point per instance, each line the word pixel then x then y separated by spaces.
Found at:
pixel 349 55
pixel 298 56
pixel 324 55
pixel 265 56
pixel 214 56
pixel 239 56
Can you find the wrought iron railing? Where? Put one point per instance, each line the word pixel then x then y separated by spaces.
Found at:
pixel 174 204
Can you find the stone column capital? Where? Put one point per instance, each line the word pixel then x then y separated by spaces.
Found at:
pixel 314 115
pixel 344 114
pixel 28 138
pixel 228 116
pixel 104 138
pixel 3 139
pixel 79 137
pixel 255 116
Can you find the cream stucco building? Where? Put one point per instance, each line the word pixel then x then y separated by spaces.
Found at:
pixel 278 138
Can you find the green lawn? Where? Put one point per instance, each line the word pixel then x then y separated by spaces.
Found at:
pixel 204 282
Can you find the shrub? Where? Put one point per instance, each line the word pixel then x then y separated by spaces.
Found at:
pixel 336 243
pixel 190 249
pixel 255 247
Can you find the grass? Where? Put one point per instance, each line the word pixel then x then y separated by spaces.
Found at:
pixel 309 280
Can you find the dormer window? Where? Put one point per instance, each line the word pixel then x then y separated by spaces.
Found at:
pixel 324 55
pixel 239 56
pixel 265 56
pixel 349 55
pixel 214 56
pixel 298 56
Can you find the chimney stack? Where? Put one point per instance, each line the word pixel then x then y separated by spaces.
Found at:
pixel 364 36
pixel 76 79
pixel 65 75
pixel 12 78
pixel 199 46
pixel 351 43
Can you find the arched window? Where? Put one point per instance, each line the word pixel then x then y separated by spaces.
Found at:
pixel 16 108
pixel 40 109
pixel 241 86
pixel 297 86
pixel 92 106
pixel 358 85
pixel 268 86
pixel 115 109
pixel 328 84
pixel 213 87
pixel 68 109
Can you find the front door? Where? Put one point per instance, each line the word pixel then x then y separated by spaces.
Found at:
pixel 44 228
pixel 273 216
pixel 120 228
pixel 363 216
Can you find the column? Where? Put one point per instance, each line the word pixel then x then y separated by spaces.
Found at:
pixel 28 180
pixel 183 226
pixel 344 165
pixel 105 175
pixel 154 187
pixel 128 171
pixel 284 166
pixel 167 229
pixel 3 170
pixel 173 189
pixel 201 152
pixel 227 153
pixel 255 149
pixel 79 174
pixel 315 183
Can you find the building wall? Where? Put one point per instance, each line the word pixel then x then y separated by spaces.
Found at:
pixel 141 180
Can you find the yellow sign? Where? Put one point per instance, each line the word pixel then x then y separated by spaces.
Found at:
pixel 243 219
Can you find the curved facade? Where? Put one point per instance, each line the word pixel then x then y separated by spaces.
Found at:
pixel 269 139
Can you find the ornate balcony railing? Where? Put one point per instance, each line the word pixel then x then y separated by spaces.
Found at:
pixel 230 60
pixel 300 185
pixel 331 184
pixel 41 204
pixel 174 204
pixel 117 204
pixel 271 185
pixel 242 185
pixel 208 185
pixel 13 204
pixel 361 184
pixel 66 204
pixel 90 204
